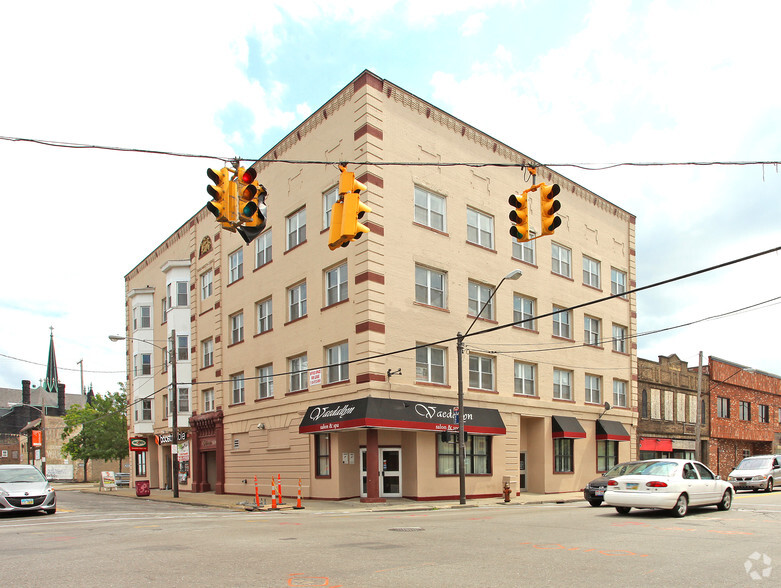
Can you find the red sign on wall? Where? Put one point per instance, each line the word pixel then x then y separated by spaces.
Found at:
pixel 37 438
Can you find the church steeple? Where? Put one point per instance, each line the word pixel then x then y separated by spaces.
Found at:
pixel 51 381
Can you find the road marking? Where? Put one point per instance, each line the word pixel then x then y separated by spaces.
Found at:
pixel 321 581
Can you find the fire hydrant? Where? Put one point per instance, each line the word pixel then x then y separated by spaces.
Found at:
pixel 506 492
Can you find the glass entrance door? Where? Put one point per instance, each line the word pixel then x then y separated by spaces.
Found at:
pixel 522 473
pixel 390 472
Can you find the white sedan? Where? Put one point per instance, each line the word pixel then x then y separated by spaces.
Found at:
pixel 673 484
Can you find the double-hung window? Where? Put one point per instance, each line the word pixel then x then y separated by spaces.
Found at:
pixel 591 270
pixel 296 301
pixel 182 294
pixel 265 374
pixel 619 393
pixel 722 407
pixel 297 366
pixel 430 365
pixel 296 228
pixel 523 310
pixel 336 285
pixel 430 287
pixel 479 228
pixel 207 353
pixel 617 282
pixel 526 250
pixel 237 388
pixel 336 357
pixel 264 316
pixel 619 338
pixel 235 266
pixel 479 295
pixel 561 260
pixel 592 331
pixel 207 281
pixel 563 452
pixel 430 209
pixel 329 198
pixel 481 372
pixel 562 322
pixel 208 400
pixel 593 389
pixel 525 379
pixel 562 384
pixel 182 347
pixel 263 249
pixel 237 328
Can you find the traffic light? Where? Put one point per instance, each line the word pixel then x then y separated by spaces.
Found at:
pixel 256 211
pixel 520 216
pixel 335 239
pixel 549 207
pixel 220 205
pixel 353 209
pixel 248 188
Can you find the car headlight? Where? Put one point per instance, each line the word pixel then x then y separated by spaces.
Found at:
pixel 731 478
pixel 759 478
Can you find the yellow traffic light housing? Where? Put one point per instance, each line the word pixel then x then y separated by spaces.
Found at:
pixel 248 189
pixel 220 205
pixel 549 206
pixel 346 212
pixel 520 216
pixel 335 239
pixel 353 210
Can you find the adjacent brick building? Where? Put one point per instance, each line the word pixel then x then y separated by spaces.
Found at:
pixel 745 407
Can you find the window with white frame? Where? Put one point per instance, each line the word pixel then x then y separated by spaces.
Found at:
pixel 562 322
pixel 164 306
pixel 142 317
pixel 164 360
pixel 336 357
pixel 144 410
pixel 265 374
pixel 525 251
pixel 297 366
pixel 525 378
pixel 329 198
pixel 207 281
pixel 336 284
pixel 263 249
pixel 184 400
pixel 479 294
pixel 145 364
pixel 561 260
pixel 619 393
pixel 430 209
pixel 182 347
pixel 619 338
pixel 208 400
pixel 592 331
pixel 562 384
pixel 523 310
pixel 296 301
pixel 479 228
pixel 207 353
pixel 481 372
pixel 237 388
pixel 430 365
pixel 430 287
pixel 617 281
pixel 237 328
pixel 263 312
pixel 236 266
pixel 593 389
pixel 296 228
pixel 182 294
pixel 591 271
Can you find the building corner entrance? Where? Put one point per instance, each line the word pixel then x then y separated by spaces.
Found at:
pixel 390 472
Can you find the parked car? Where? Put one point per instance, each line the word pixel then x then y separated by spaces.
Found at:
pixel 24 488
pixel 673 484
pixel 595 489
pixel 757 472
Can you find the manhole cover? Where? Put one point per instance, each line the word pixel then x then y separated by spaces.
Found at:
pixel 405 529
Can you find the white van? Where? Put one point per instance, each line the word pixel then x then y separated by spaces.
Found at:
pixel 757 472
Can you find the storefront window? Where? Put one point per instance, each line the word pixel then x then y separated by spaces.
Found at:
pixel 323 455
pixel 562 455
pixel 607 455
pixel 140 463
pixel 477 449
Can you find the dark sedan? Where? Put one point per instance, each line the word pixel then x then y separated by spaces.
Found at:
pixel 595 489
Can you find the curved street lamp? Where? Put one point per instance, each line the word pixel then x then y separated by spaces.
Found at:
pixel 513 275
pixel 175 403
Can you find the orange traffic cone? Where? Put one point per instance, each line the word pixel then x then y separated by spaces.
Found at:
pixel 298 502
pixel 273 494
pixel 257 496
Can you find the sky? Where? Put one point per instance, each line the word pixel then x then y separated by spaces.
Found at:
pixel 564 82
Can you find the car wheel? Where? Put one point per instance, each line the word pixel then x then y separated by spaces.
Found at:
pixel 595 502
pixel 769 485
pixel 681 507
pixel 726 501
pixel 623 510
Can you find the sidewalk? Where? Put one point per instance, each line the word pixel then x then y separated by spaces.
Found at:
pixel 245 502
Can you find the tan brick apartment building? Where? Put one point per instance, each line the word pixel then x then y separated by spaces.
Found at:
pixel 288 362
pixel 745 408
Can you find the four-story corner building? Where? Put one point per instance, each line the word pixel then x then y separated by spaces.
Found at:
pixel 339 368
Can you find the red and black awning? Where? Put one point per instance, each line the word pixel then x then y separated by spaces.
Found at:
pixel 611 431
pixel 565 427
pixel 386 413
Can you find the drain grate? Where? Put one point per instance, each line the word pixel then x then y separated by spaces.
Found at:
pixel 406 529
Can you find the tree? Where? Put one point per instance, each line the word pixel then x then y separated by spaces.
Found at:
pixel 100 429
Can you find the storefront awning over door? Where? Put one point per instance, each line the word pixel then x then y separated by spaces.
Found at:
pixel 565 427
pixel 611 430
pixel 663 445
pixel 386 413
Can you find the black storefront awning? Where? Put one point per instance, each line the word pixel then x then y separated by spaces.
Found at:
pixel 611 430
pixel 386 413
pixel 565 427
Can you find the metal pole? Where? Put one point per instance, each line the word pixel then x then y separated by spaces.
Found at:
pixel 698 440
pixel 43 440
pixel 461 444
pixel 175 415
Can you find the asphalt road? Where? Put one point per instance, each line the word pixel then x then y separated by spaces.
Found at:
pixel 104 540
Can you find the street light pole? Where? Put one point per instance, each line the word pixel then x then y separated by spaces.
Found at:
pixel 513 275
pixel 175 415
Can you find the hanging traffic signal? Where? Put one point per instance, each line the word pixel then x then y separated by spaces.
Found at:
pixel 335 239
pixel 352 208
pixel 255 210
pixel 220 205
pixel 520 216
pixel 248 189
pixel 549 206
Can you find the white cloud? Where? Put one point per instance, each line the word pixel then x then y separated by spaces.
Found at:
pixel 473 24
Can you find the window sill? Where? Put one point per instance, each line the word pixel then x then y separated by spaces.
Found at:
pixel 237 404
pixel 234 281
pixel 432 229
pixel 439 308
pixel 264 398
pixel 432 384
pixel 335 304
pixel 562 276
pixel 263 333
pixel 236 343
pixel 330 384
pixel 482 390
pixel 294 247
pixel 483 247
pixel 295 320
pixel 262 266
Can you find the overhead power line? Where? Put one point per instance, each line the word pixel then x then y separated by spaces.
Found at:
pixel 477 164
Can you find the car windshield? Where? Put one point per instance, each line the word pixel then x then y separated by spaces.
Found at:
pixel 20 475
pixel 621 469
pixel 754 463
pixel 655 468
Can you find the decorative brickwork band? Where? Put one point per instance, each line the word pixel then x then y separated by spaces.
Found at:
pixel 370 326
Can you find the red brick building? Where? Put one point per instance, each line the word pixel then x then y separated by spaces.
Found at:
pixel 745 410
